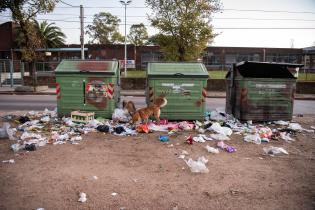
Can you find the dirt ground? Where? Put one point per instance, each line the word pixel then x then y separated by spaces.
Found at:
pixel 147 174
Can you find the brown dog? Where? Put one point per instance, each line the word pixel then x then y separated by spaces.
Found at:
pixel 129 107
pixel 155 110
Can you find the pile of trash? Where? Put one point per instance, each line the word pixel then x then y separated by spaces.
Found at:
pixel 37 129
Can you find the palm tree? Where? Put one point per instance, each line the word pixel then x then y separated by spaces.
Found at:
pixel 50 35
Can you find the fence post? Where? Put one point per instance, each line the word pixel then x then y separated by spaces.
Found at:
pixel 22 72
pixel 11 74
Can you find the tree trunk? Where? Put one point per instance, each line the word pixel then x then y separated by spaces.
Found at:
pixel 181 53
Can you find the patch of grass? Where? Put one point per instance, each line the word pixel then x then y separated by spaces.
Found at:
pixel 217 74
pixel 136 74
pixel 306 77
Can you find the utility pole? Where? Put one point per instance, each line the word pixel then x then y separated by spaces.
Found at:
pixel 82 31
pixel 124 3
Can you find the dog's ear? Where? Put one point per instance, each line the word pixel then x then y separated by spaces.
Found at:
pixel 124 103
pixel 133 107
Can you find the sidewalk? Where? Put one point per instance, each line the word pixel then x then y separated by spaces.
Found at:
pixel 139 93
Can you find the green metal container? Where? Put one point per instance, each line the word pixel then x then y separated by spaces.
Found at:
pixel 183 85
pixel 261 91
pixel 91 86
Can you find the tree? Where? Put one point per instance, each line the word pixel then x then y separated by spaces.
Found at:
pixel 184 26
pixel 104 29
pixel 24 13
pixel 50 35
pixel 138 34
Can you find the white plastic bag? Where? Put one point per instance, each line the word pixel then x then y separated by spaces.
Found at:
pixel 295 126
pixel 3 131
pixel 198 166
pixel 253 138
pixel 219 137
pixel 274 150
pixel 82 198
pixel 212 150
pixel 121 115
pixel 286 136
pixel 216 127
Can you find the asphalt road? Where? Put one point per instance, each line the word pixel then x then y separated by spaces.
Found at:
pixel 40 102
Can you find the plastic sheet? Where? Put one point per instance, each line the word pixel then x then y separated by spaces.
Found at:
pixel 198 166
pixel 275 151
pixel 212 150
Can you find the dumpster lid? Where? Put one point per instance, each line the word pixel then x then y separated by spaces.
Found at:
pixel 177 69
pixel 267 70
pixel 76 66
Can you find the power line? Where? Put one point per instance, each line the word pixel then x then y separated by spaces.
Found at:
pixel 67 4
pixel 273 11
pixel 229 9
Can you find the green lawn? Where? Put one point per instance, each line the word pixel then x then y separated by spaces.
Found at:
pixel 214 75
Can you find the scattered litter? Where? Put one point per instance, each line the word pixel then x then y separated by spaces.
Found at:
pixel 119 129
pixel 114 194
pixel 16 147
pixel 184 152
pixel 171 145
pixel 198 166
pixel 219 137
pixel 3 131
pixel 40 209
pixel 295 127
pixel 226 147
pixel 281 122
pixel 286 136
pixel 216 127
pixel 189 139
pixel 95 177
pixel 103 128
pixel 274 150
pixel 30 147
pixel 82 116
pixel 212 150
pixel 181 156
pixel 253 138
pixel 82 198
pixel 24 119
pixel 121 115
pixel 199 139
pixel 143 128
pixel 8 161
pixel 164 138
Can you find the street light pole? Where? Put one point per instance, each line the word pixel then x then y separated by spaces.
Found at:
pixel 125 60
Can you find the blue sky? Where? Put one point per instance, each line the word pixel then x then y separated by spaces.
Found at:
pixel 287 14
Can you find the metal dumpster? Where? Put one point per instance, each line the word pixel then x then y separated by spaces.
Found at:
pixel 91 86
pixel 261 91
pixel 183 85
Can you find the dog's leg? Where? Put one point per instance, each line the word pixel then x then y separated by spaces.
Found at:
pixel 157 114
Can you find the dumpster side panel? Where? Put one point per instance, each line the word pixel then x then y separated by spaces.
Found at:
pixel 71 97
pixel 264 99
pixel 87 92
pixel 186 97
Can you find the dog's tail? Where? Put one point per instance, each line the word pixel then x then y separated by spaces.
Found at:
pixel 160 102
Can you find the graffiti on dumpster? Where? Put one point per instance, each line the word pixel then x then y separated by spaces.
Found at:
pixel 171 88
pixel 97 93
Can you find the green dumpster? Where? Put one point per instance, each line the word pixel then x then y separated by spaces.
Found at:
pixel 183 85
pixel 261 91
pixel 91 86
